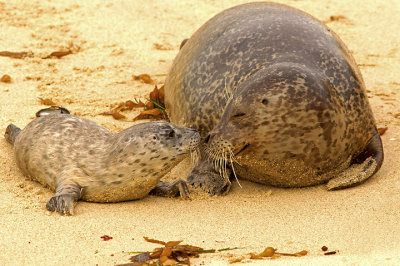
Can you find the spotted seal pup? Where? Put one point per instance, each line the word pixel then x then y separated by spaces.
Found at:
pixel 79 159
pixel 277 98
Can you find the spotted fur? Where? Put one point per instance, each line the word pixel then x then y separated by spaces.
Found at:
pixel 277 90
pixel 79 159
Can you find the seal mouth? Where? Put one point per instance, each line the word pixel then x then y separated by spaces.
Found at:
pixel 242 149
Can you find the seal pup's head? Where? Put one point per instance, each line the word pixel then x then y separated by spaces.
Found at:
pixel 154 146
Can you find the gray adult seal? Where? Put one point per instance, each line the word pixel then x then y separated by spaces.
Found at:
pixel 81 160
pixel 277 98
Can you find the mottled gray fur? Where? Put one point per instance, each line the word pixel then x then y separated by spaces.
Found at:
pixel 277 91
pixel 79 159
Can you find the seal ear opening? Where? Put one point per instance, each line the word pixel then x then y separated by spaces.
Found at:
pixel 265 101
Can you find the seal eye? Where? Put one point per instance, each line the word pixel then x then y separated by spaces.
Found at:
pixel 239 114
pixel 265 101
pixel 171 134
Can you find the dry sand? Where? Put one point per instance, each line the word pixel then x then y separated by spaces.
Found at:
pixel 113 40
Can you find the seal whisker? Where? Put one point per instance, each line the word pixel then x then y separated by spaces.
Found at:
pixel 220 167
pixel 193 157
pixel 219 161
pixel 234 173
pixel 215 160
pixel 232 155
pixel 224 160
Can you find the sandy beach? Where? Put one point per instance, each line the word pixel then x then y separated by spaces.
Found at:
pixel 113 40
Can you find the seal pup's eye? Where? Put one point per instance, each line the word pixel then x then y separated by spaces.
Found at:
pixel 171 134
pixel 239 114
pixel 265 101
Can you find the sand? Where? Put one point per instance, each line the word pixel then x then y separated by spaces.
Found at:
pixel 113 40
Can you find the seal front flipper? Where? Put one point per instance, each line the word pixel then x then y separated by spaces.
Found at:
pixel 205 177
pixel 173 189
pixel 365 165
pixel 67 194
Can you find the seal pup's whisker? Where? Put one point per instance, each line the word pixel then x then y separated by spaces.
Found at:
pixel 194 156
pixel 192 159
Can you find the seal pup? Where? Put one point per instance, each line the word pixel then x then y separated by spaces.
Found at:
pixel 277 98
pixel 81 160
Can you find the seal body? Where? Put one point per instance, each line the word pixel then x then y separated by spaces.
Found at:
pixel 79 159
pixel 277 96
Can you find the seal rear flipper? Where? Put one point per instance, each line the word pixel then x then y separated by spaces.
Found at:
pixel 365 165
pixel 63 202
pixel 174 189
pixel 12 131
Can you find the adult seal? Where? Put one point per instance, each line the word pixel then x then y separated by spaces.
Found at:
pixel 277 98
pixel 81 160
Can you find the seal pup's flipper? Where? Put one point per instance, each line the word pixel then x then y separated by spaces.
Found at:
pixel 11 133
pixel 67 194
pixel 173 189
pixel 365 165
